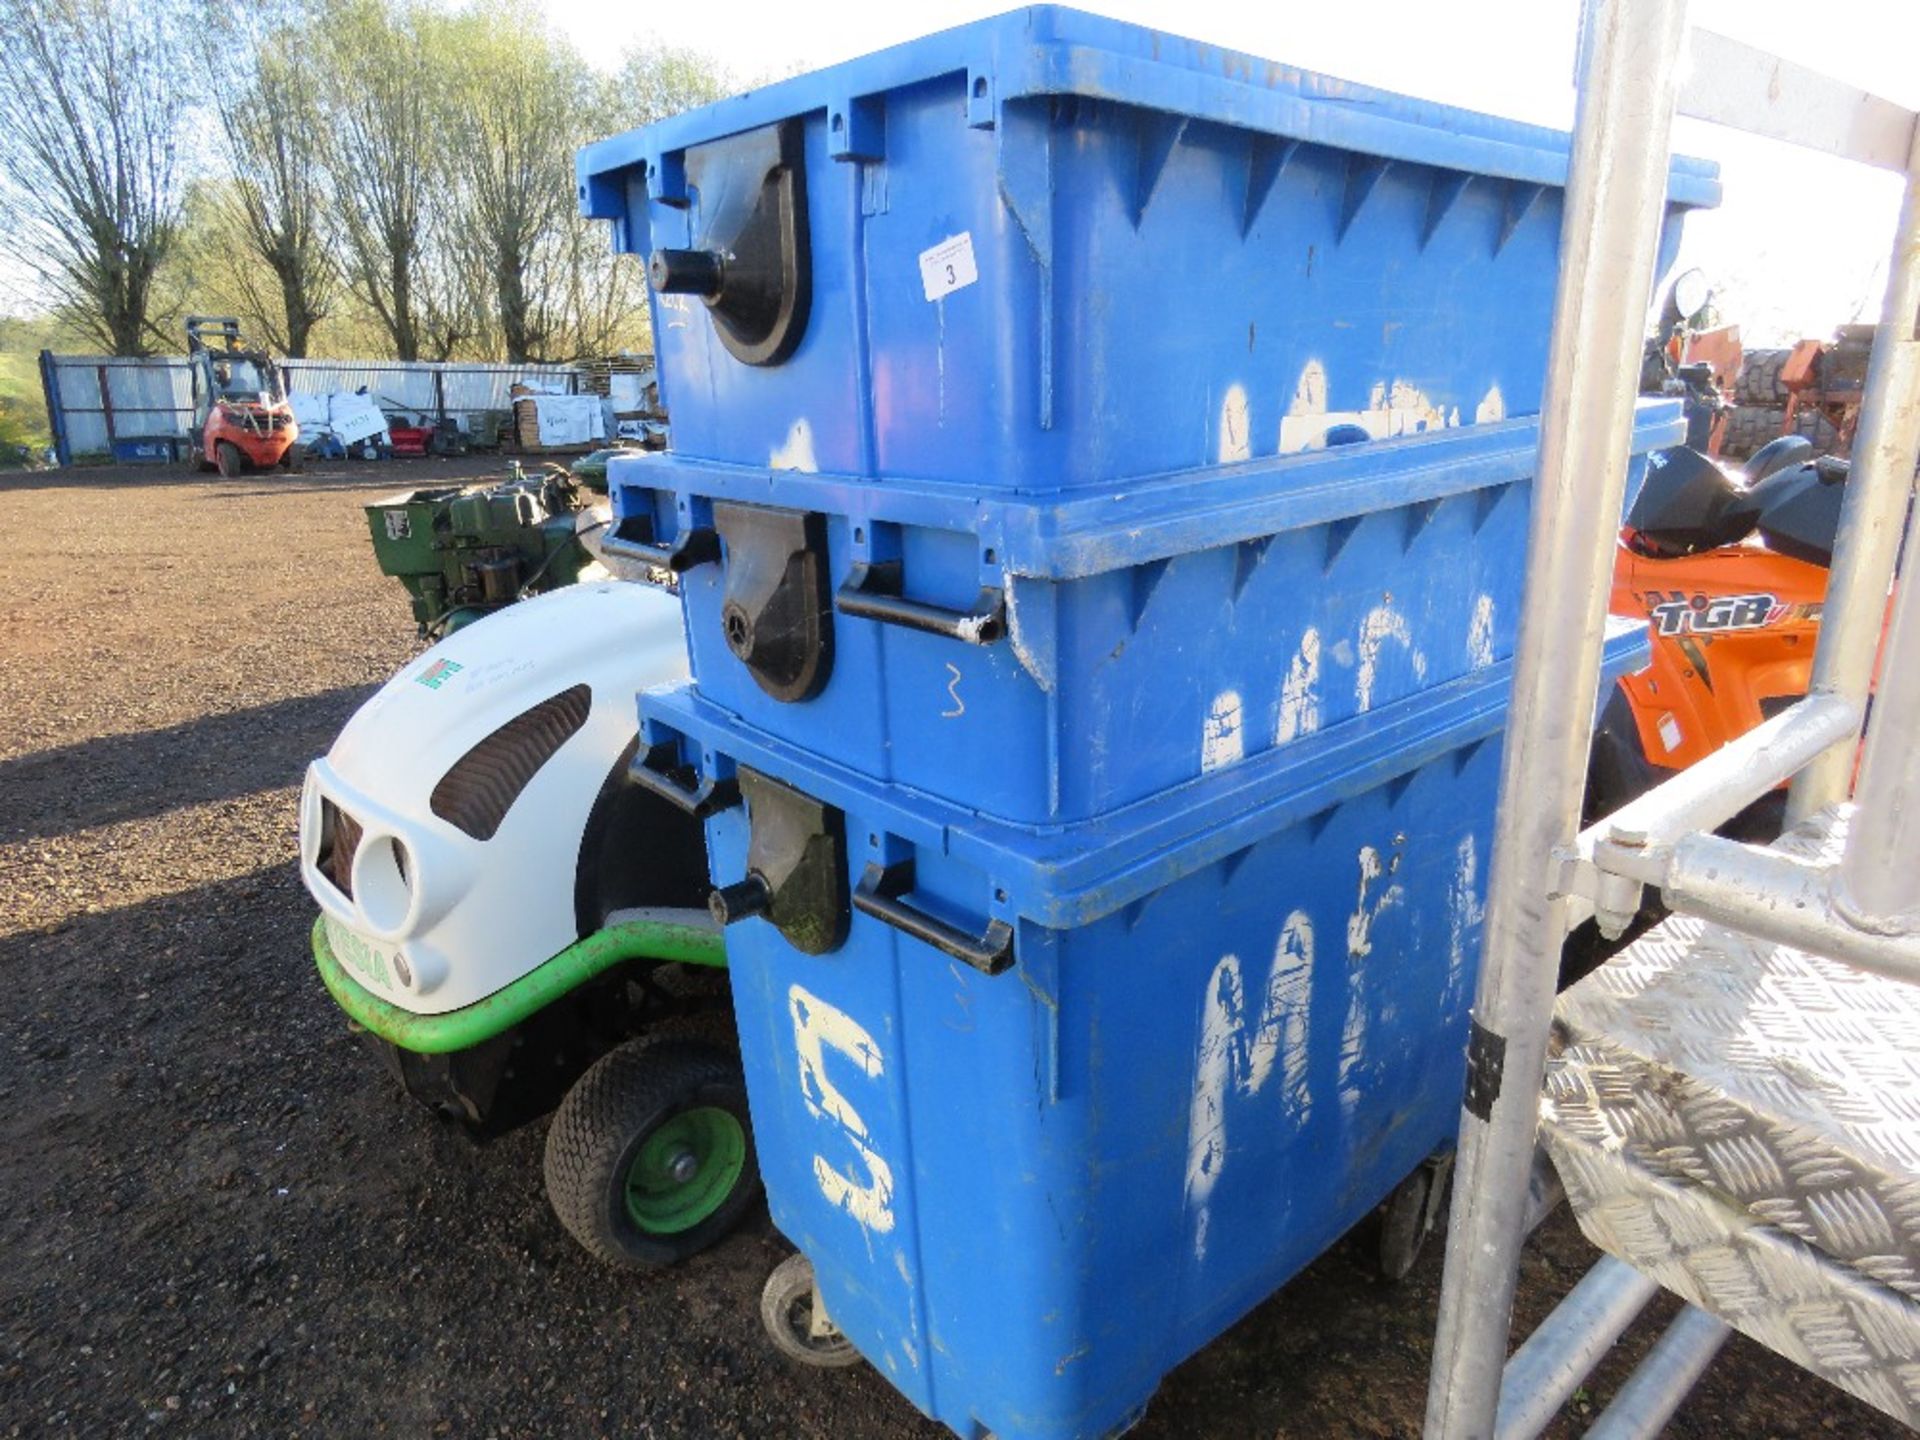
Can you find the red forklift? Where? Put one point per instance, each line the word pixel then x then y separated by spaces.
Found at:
pixel 241 418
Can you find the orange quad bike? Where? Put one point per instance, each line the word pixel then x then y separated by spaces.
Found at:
pixel 241 418
pixel 1729 568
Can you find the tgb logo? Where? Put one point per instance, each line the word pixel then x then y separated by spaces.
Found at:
pixel 1678 613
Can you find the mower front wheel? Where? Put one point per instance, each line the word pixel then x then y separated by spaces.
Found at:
pixel 229 458
pixel 650 1158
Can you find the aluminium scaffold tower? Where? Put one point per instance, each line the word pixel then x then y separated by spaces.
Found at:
pixel 1733 1102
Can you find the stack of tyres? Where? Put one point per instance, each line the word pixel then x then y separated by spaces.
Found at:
pixel 1101 475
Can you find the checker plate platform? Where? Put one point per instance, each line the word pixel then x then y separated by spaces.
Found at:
pixel 1741 1121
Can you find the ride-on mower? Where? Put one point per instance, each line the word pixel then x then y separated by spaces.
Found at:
pixel 241 418
pixel 464 551
pixel 510 919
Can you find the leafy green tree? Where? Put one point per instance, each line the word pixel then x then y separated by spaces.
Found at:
pixel 657 81
pixel 386 175
pixel 387 122
pixel 512 152
pixel 268 100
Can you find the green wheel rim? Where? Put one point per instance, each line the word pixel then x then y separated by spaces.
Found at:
pixel 685 1170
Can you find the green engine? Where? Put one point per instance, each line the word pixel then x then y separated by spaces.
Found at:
pixel 466 551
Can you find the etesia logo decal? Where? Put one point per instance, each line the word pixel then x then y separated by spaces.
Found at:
pixel 357 953
pixel 438 673
pixel 1680 614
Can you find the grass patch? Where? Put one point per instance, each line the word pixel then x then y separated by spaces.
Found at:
pixel 23 410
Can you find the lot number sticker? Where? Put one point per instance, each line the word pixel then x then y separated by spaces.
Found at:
pixel 948 266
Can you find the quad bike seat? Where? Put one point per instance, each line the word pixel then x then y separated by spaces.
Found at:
pixel 1791 500
pixel 1802 520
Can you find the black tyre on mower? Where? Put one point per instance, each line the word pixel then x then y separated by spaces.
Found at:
pixel 650 1157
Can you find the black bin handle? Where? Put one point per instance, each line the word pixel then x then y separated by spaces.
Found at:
pixel 881 887
pixel 659 770
pixel 632 539
pixel 871 591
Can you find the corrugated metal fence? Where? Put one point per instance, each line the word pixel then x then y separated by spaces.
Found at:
pixel 94 400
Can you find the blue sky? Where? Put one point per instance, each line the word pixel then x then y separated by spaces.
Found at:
pixel 1799 244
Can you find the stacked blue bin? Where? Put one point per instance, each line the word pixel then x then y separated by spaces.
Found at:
pixel 1099 491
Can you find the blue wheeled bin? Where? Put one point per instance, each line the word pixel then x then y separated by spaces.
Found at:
pixel 1099 494
pixel 1049 1108
pixel 1048 250
pixel 1054 659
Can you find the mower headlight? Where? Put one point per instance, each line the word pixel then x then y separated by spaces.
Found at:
pixel 384 879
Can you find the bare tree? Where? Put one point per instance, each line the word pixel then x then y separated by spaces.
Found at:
pixel 512 150
pixel 601 297
pixel 90 172
pixel 386 131
pixel 656 81
pixel 268 99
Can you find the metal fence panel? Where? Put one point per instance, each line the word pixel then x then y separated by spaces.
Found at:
pixel 149 399
pixel 97 399
pixel 392 384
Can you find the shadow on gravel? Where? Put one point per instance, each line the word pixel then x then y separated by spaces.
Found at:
pixel 326 476
pixel 133 777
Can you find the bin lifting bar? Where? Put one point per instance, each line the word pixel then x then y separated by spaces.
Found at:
pixel 1543 875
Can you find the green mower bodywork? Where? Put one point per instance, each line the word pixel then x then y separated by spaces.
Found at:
pixel 652 1182
pixel 465 551
pixel 334 955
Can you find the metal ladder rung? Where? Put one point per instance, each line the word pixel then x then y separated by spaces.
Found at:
pixel 1551 1362
pixel 1643 1405
pixel 1745 88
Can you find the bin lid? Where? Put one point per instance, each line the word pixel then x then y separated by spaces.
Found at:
pixel 1105 526
pixel 1054 51
pixel 1063 875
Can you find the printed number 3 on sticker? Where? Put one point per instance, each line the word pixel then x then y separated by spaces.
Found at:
pixel 948 266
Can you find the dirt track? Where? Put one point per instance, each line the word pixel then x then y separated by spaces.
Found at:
pixel 220 1218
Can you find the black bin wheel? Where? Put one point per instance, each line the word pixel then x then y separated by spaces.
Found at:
pixel 1410 1215
pixel 788 1311
pixel 650 1157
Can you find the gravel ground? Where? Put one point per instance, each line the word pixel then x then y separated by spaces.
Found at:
pixel 219 1218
